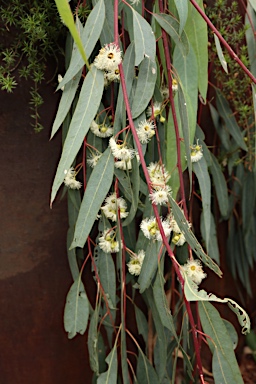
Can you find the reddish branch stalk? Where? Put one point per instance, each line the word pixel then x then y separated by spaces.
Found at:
pixel 223 41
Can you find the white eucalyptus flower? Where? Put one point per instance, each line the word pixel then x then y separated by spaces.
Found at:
pixel 145 131
pixel 161 195
pixel 110 76
pixel 93 160
pixel 112 204
pixel 135 263
pixel 196 153
pixel 151 230
pixel 121 151
pixel 101 130
pixel 122 164
pixel 108 58
pixel 107 242
pixel 158 175
pixel 194 270
pixel 157 109
pixel 178 239
pixel 70 179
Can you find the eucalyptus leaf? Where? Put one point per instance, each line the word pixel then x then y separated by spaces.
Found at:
pixel 213 249
pixel 172 27
pixel 86 109
pixel 192 294
pixel 95 193
pixel 76 311
pixel 182 8
pixel 107 275
pixel 197 34
pixel 201 171
pixel 65 102
pixel 191 239
pixel 144 38
pixel 220 53
pixel 145 86
pixel 149 265
pixel 222 346
pixel 89 37
pixel 67 17
pixel 110 376
pixel 145 372
pixel 220 185
pixel 229 119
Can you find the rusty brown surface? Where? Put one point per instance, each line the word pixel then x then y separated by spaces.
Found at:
pixel 34 272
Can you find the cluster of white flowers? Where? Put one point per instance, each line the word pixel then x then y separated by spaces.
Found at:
pixel 70 179
pixel 196 152
pixel 145 131
pixel 107 242
pixel 111 206
pixel 135 263
pixel 151 230
pixel 108 60
pixel 155 111
pixel 123 154
pixel 160 195
pixel 159 177
pixel 194 270
pixel 93 159
pixel 178 237
pixel 110 76
pixel 101 130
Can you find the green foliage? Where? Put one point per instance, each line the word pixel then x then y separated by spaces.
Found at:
pixel 131 136
pixel 30 32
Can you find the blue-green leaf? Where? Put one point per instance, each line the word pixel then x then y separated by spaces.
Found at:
pixel 191 239
pixel 248 200
pixel 95 193
pixel 67 17
pixel 142 323
pixel 145 86
pixel 220 185
pixel 145 372
pixel 89 37
pixel 110 376
pixel 220 53
pixel 172 27
pixel 201 171
pixel 214 327
pixel 144 38
pixel 213 249
pixel 76 311
pixel 229 119
pixel 149 265
pixel 107 274
pixel 197 34
pixel 86 109
pixel 182 8
pixel 65 102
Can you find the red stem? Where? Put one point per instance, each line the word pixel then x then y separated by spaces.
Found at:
pixel 223 41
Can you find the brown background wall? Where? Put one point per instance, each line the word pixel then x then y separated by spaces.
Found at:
pixel 34 273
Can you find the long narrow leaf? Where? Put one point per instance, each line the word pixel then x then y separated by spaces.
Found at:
pixel 86 109
pixel 96 191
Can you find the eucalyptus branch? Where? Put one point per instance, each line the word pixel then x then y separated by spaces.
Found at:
pixel 223 41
